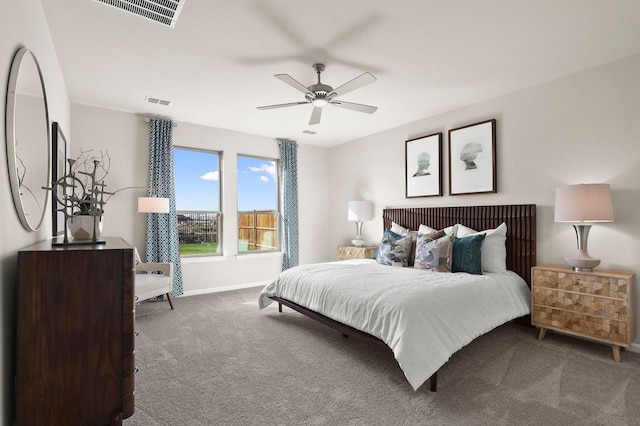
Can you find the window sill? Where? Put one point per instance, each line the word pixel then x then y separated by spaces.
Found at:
pixel 240 257
pixel 249 255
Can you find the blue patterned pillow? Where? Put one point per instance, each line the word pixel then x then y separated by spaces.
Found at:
pixel 467 254
pixel 384 235
pixel 434 255
pixel 394 249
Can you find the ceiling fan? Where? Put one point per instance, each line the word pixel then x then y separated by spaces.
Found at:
pixel 320 94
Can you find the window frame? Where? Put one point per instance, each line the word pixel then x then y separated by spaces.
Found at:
pixel 219 213
pixel 277 212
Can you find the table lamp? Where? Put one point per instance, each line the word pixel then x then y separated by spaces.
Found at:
pixel 153 205
pixel 583 204
pixel 358 212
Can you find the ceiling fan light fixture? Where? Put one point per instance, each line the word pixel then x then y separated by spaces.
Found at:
pixel 320 94
pixel 319 102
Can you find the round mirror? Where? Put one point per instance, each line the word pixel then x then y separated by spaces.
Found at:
pixel 27 127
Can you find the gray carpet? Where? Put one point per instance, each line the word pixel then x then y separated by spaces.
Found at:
pixel 218 360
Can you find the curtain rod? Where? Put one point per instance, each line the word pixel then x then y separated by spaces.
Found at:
pixel 147 118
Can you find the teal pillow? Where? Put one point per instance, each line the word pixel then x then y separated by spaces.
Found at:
pixel 467 254
pixel 394 249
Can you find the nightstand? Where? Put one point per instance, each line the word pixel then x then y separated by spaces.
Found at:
pixel 353 252
pixel 598 305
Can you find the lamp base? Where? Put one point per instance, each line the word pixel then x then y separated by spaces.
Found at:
pixel 358 242
pixel 582 262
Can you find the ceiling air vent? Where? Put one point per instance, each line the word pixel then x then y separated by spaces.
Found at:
pixel 309 132
pixel 163 11
pixel 157 101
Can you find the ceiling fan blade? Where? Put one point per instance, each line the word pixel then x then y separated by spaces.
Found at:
pixel 315 116
pixel 355 107
pixel 294 83
pixel 356 83
pixel 281 105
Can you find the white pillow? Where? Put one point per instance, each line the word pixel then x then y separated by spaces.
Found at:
pixel 464 231
pixel 494 249
pixel 424 229
pixel 400 230
pixel 449 230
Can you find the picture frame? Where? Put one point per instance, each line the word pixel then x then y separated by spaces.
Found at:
pixel 472 158
pixel 58 170
pixel 423 166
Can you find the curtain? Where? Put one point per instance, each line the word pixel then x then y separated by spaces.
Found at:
pixel 162 228
pixel 289 191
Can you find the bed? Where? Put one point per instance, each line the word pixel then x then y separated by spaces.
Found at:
pixel 385 306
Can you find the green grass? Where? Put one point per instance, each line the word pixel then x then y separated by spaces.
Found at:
pixel 198 248
pixel 203 248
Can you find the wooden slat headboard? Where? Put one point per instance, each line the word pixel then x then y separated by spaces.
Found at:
pixel 520 220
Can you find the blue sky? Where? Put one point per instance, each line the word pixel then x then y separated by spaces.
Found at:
pixel 197 177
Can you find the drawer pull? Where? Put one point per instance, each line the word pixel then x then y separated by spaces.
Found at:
pixel 135 370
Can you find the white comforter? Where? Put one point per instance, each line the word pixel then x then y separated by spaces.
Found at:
pixel 423 316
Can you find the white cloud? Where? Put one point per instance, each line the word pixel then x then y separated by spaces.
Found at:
pixel 211 176
pixel 264 179
pixel 269 168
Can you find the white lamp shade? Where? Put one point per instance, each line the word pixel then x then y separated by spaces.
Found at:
pixel 584 203
pixel 360 211
pixel 153 205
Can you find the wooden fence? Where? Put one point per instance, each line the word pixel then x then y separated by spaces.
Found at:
pixel 258 230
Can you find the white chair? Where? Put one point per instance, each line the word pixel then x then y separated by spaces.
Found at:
pixel 153 285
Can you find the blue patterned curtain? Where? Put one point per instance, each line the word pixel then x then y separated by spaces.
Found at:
pixel 162 229
pixel 289 191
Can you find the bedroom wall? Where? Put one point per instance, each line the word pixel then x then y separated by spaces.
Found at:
pixel 125 136
pixel 22 23
pixel 579 129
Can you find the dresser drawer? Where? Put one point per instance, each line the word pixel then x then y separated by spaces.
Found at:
pixel 581 303
pixel 603 329
pixel 599 285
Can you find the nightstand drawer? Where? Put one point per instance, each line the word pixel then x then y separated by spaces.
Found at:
pixel 600 285
pixel 603 329
pixel 581 303
pixel 353 252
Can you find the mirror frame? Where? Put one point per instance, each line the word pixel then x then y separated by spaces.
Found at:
pixel 11 139
pixel 58 169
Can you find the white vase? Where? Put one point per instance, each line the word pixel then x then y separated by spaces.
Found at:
pixel 81 227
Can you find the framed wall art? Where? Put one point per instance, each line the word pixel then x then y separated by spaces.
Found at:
pixel 472 158
pixel 423 166
pixel 58 170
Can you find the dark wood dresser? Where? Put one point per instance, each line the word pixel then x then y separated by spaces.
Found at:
pixel 75 336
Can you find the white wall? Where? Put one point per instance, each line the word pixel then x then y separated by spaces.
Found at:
pixel 22 24
pixel 580 129
pixel 125 136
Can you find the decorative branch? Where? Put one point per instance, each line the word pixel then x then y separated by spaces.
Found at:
pixel 87 163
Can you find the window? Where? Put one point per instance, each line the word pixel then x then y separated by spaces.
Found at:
pixel 258 215
pixel 197 178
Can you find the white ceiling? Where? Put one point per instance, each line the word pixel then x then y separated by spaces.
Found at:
pixel 429 56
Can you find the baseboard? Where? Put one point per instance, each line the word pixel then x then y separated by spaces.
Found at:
pixel 635 347
pixel 224 288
